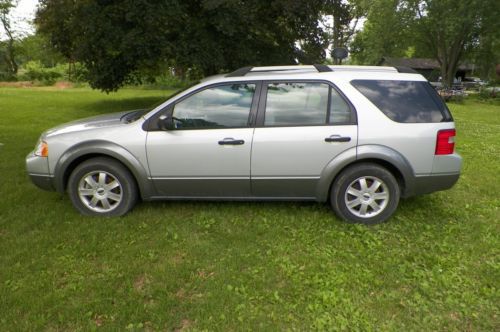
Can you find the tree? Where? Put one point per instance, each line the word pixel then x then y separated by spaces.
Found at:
pixel 9 53
pixel 385 33
pixel 117 39
pixel 452 28
pixel 345 18
pixel 446 30
pixel 37 48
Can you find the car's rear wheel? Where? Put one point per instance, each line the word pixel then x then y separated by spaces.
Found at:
pixel 365 193
pixel 102 187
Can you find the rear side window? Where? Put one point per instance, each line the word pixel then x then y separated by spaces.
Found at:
pixel 296 104
pixel 405 101
pixel 305 104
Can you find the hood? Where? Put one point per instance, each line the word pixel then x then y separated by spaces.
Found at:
pixel 100 121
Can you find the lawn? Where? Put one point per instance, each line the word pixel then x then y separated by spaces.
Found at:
pixel 435 266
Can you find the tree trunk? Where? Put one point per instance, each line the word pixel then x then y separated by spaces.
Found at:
pixel 71 69
pixel 10 56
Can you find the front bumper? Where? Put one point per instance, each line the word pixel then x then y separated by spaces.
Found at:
pixel 43 181
pixel 38 171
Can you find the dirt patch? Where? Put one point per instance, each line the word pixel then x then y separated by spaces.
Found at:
pixel 22 84
pixel 63 85
pixel 177 258
pixel 202 274
pixel 98 320
pixel 181 294
pixel 185 324
pixel 141 282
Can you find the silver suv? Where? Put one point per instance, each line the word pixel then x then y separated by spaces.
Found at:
pixel 357 137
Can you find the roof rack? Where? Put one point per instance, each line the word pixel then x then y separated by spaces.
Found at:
pixel 408 70
pixel 240 72
pixel 322 68
pixel 319 68
pixel 245 70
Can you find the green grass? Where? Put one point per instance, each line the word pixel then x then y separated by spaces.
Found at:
pixel 244 266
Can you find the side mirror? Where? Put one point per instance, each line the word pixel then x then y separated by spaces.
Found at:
pixel 166 122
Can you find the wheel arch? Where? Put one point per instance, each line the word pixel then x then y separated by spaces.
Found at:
pixel 85 151
pixel 377 154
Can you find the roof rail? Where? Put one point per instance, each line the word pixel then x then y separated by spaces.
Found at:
pixel 240 72
pixel 322 68
pixel 407 70
pixel 245 70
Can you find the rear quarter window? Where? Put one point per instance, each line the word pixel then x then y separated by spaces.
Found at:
pixel 405 101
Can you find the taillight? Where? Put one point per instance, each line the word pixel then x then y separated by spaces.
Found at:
pixel 445 143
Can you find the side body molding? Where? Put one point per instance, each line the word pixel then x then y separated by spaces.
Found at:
pixel 104 148
pixel 358 154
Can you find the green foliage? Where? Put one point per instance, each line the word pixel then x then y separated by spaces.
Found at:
pixel 446 30
pixel 114 40
pixel 486 55
pixel 232 266
pixel 345 19
pixel 35 71
pixel 384 33
pixel 450 29
pixel 489 93
pixel 171 81
pixel 37 48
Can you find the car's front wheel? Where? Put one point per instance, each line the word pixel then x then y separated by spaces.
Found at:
pixel 365 193
pixel 102 187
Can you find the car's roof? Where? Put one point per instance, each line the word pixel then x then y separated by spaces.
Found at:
pixel 312 72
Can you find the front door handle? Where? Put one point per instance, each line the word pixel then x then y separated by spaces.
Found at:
pixel 231 141
pixel 337 138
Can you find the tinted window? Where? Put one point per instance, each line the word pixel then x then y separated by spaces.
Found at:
pixel 404 101
pixel 340 112
pixel 296 104
pixel 218 107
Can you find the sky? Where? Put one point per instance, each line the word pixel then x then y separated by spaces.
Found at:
pixel 21 16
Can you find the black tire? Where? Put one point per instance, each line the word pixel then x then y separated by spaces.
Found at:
pixel 364 200
pixel 106 198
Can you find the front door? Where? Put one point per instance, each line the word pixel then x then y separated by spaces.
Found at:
pixel 207 154
pixel 301 127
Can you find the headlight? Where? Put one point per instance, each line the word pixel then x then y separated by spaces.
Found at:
pixel 42 149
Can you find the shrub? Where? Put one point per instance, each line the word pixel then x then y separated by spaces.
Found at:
pixel 489 92
pixel 168 80
pixel 35 71
pixel 78 73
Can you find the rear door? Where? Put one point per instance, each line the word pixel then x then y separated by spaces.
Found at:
pixel 301 127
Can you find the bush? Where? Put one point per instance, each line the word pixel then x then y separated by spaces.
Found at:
pixel 489 92
pixel 35 71
pixel 6 76
pixel 168 80
pixel 78 73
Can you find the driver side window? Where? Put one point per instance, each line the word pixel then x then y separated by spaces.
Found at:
pixel 224 106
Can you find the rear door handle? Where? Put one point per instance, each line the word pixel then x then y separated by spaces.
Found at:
pixel 231 141
pixel 337 138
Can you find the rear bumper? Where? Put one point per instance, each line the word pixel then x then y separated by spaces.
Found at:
pixel 445 173
pixel 431 183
